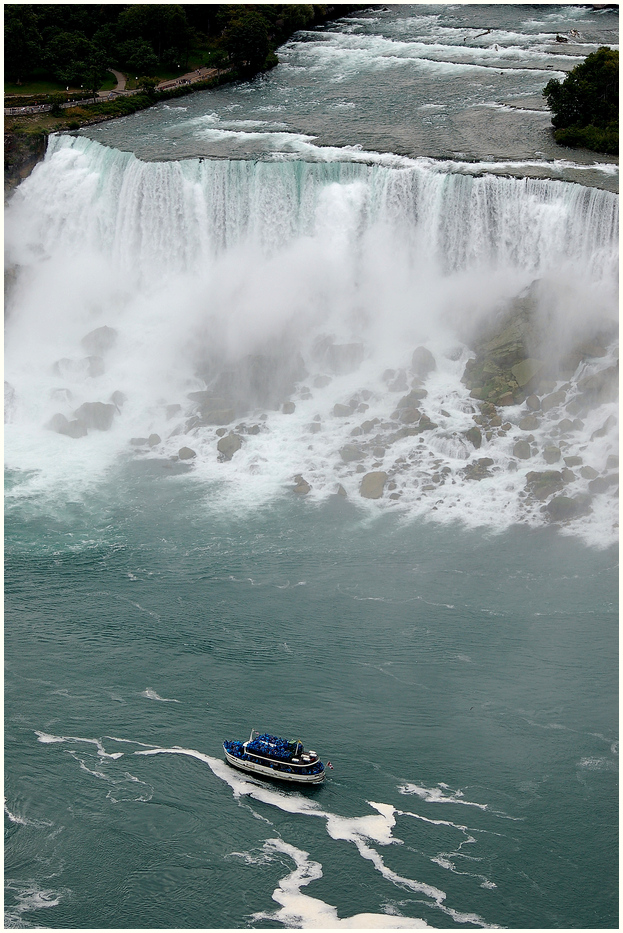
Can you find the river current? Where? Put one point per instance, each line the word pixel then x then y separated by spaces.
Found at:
pixel 212 313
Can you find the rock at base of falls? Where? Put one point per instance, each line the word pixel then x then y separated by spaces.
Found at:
pixel 96 415
pixel 372 485
pixel 228 445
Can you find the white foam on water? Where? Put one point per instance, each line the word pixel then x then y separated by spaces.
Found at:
pixel 358 830
pixel 24 821
pixel 150 694
pixel 302 911
pixel 439 794
pixel 30 897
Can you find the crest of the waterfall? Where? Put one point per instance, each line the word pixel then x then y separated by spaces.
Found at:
pixel 239 292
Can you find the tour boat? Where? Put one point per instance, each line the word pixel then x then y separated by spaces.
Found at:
pixel 269 756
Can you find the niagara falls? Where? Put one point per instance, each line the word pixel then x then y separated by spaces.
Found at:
pixel 311 427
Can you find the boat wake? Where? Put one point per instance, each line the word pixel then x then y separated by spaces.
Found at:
pixel 367 834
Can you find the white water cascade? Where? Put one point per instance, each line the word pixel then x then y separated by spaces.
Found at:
pixel 295 293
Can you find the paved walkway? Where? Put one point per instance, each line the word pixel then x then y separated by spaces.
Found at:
pixel 190 77
pixel 121 79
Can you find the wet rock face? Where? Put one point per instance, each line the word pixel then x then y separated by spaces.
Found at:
pixel 372 485
pixel 565 508
pixel 62 425
pixel 301 486
pixel 228 446
pixel 186 453
pixel 543 484
pixel 422 362
pixel 67 368
pixel 99 341
pixel 96 415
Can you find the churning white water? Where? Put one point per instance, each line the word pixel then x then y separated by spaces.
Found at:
pixel 276 290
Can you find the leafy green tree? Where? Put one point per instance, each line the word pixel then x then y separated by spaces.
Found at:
pixel 585 106
pixel 138 56
pixel 22 41
pixel 246 40
pixel 162 25
pixel 148 84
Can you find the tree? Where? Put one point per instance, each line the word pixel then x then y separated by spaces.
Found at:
pixel 22 41
pixel 246 40
pixel 585 106
pixel 148 85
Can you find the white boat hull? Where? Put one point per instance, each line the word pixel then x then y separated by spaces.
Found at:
pixel 274 773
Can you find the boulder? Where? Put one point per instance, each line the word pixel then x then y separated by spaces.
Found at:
pixel 119 399
pixel 76 428
pixel 219 416
pixel 367 426
pixel 612 463
pixel 608 424
pixel 533 402
pixel 315 427
pixel 342 411
pixel 100 340
pixel 522 450
pixel 57 423
pixel 288 408
pixel 59 395
pixel 565 425
pixel 409 415
pixel 602 386
pixel 553 400
pixel 526 370
pixel 588 472
pixel 340 490
pixel 422 362
pixel 96 415
pixel 529 423
pixel 301 486
pixel 228 445
pixel 139 441
pixel 479 469
pixel 79 369
pixel 350 454
pixel 62 425
pixel 603 483
pixel 321 381
pixel 411 400
pixel 399 383
pixel 551 453
pixel 564 508
pixel 544 484
pixel 372 485
pixel 153 440
pixel 474 436
pixel 186 453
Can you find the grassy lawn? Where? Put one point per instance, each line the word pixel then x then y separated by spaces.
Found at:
pixel 48 86
pixel 37 86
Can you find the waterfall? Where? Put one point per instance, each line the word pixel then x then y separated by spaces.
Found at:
pixel 317 273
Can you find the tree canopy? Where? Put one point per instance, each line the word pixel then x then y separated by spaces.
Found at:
pixel 585 106
pixel 75 43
